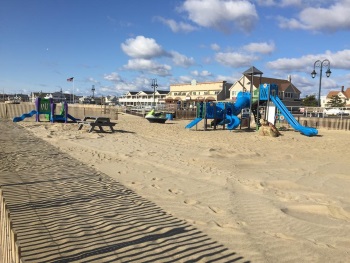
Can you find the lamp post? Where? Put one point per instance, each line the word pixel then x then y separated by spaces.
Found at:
pixel 154 86
pixel 93 91
pixel 320 64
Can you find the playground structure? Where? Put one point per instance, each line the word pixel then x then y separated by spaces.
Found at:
pixel 225 113
pixel 48 108
pixel 222 113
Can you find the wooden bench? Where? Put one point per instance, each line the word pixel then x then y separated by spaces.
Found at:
pixel 99 122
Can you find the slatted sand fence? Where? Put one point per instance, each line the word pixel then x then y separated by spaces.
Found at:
pixel 10 251
pixel 64 211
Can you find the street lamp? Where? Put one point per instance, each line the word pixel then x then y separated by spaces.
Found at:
pixel 93 91
pixel 320 64
pixel 154 86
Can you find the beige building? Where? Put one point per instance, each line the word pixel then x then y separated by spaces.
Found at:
pixel 287 92
pixel 190 93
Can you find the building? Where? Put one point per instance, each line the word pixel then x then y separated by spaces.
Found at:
pixel 143 98
pixel 58 96
pixel 344 95
pixel 189 94
pixel 287 92
pixel 111 100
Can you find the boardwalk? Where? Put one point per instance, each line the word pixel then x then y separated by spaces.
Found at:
pixel 64 211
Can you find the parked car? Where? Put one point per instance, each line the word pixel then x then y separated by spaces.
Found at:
pixel 334 112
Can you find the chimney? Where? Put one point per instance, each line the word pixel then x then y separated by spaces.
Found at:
pixel 342 88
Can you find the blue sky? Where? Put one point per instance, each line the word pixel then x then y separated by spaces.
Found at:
pixel 121 45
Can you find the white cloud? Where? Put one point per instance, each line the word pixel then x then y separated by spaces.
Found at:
pixel 282 3
pixel 113 77
pixel 203 73
pixel 222 14
pixel 142 47
pixel 215 47
pixel 120 85
pixel 263 47
pixel 149 66
pixel 233 59
pixel 331 18
pixel 181 60
pixel 177 26
pixel 340 60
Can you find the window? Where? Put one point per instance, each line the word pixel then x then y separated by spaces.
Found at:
pixel 288 95
pixel 194 93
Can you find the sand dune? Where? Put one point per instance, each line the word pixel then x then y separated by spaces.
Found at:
pixel 282 199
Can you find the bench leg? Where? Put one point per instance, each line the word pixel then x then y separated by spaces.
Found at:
pixel 80 126
pixel 111 128
pixel 92 128
pixel 101 129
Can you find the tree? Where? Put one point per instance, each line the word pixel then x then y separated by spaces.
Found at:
pixel 309 101
pixel 336 101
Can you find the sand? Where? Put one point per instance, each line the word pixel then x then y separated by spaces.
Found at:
pixel 265 199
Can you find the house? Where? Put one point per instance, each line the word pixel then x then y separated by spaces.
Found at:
pixel 343 95
pixel 111 100
pixel 287 92
pixel 143 98
pixel 189 94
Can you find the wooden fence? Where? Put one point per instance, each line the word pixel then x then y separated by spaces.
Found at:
pixel 9 111
pixel 10 250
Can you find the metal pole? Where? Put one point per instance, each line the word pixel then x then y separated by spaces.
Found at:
pixel 73 91
pixel 319 87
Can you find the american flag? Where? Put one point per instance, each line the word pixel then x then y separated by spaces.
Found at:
pixel 70 79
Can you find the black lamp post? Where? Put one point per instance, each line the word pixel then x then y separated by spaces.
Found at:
pixel 320 64
pixel 93 91
pixel 154 86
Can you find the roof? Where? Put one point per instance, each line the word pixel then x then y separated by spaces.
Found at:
pixel 347 93
pixel 282 84
pixel 163 91
pixel 332 93
pixel 205 82
pixel 252 71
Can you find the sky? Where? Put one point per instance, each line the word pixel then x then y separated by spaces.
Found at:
pixel 118 46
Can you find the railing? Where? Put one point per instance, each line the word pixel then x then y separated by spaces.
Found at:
pixel 10 251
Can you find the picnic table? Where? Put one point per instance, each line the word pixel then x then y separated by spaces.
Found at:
pixel 93 122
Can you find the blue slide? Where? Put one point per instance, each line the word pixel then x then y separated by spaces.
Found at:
pixel 243 101
pixel 192 123
pixel 234 122
pixel 308 131
pixel 25 115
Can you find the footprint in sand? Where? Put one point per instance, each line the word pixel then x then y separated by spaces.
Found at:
pixel 175 191
pixel 191 202
pixel 321 214
pixel 215 209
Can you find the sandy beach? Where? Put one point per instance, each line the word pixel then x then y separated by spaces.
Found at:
pixel 264 199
